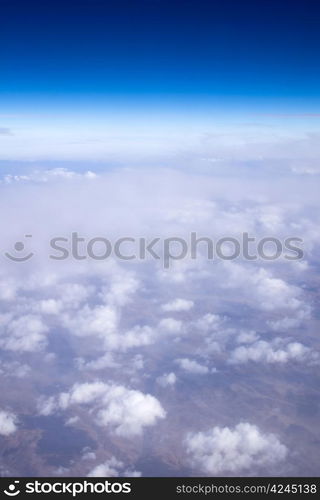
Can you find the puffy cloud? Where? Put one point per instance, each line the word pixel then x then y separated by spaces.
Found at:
pixel 122 289
pixel 128 411
pixel 178 305
pixel 24 334
pixel 276 351
pixel 101 321
pixel 239 449
pixel 88 455
pixel 112 468
pixel 108 313
pixel 247 337
pixel 8 423
pixel 170 326
pixel 262 289
pixel 209 322
pixel 192 366
pixel 167 379
pixel 293 321
pixel 123 410
pixel 49 306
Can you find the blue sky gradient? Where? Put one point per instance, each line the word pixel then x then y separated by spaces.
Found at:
pixel 160 49
pixel 150 70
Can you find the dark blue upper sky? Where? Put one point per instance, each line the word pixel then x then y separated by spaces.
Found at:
pixel 157 47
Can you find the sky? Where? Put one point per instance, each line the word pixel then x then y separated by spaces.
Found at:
pixel 138 76
pixel 159 49
pixel 155 120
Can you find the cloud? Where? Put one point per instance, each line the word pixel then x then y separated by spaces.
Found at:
pixel 209 322
pixel 8 423
pixel 24 334
pixel 276 351
pixel 112 468
pixel 239 449
pixel 192 366
pixel 129 322
pixel 167 379
pixel 170 326
pixel 265 291
pixel 178 305
pixel 55 174
pixel 14 369
pixel 290 322
pixel 247 337
pixel 123 410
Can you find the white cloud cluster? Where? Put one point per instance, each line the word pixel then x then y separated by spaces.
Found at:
pixel 112 468
pixel 8 423
pixel 25 333
pixel 262 289
pixel 167 379
pixel 134 321
pixel 276 351
pixel 239 449
pixel 192 366
pixel 170 326
pixel 178 305
pixel 123 410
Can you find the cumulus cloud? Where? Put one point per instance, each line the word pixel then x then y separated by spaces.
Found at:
pixel 112 468
pixel 170 326
pixel 178 305
pixel 134 321
pixel 25 333
pixel 239 449
pixel 265 291
pixel 192 366
pixel 276 351
pixel 123 410
pixel 167 379
pixel 290 322
pixel 8 423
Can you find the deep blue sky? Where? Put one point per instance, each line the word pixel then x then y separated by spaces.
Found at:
pixel 160 48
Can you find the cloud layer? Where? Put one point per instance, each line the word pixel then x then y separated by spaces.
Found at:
pixel 239 449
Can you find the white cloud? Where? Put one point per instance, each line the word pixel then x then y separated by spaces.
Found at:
pixel 247 337
pixel 170 325
pixel 8 423
pixel 167 379
pixel 262 289
pixel 112 468
pixel 110 313
pixel 178 305
pixel 192 366
pixel 293 321
pixel 24 334
pixel 242 448
pixel 209 322
pixel 50 306
pixel 276 351
pixel 123 410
